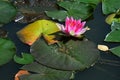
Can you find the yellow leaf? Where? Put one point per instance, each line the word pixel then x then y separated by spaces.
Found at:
pixel 110 18
pixel 33 31
pixel 50 39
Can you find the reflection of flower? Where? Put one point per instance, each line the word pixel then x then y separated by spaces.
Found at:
pixel 73 27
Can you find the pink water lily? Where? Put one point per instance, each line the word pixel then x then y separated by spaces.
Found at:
pixel 73 27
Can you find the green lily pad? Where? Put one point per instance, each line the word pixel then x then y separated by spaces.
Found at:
pixel 40 72
pixel 113 36
pixel 110 6
pixel 78 14
pixel 116 51
pixel 77 10
pixel 89 1
pixel 7 51
pixel 74 55
pixel 26 58
pixel 60 15
pixel 115 26
pixel 7 12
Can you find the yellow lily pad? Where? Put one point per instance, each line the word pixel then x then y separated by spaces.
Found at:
pixel 110 18
pixel 35 30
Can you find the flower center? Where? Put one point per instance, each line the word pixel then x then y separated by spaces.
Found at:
pixel 72 33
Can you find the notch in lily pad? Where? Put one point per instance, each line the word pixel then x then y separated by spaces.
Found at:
pixel 25 59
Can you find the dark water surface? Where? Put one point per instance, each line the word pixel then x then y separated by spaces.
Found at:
pixel 108 68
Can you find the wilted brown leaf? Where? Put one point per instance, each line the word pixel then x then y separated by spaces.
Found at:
pixel 31 10
pixel 3 33
pixel 21 72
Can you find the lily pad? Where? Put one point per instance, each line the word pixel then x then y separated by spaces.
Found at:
pixel 115 26
pixel 7 51
pixel 7 12
pixel 40 72
pixel 76 9
pixel 113 36
pixel 110 6
pixel 110 18
pixel 26 58
pixel 60 15
pixel 90 1
pixel 116 51
pixel 38 28
pixel 73 55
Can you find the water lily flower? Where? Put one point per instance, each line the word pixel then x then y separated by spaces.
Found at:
pixel 73 27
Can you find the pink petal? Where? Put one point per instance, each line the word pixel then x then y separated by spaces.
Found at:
pixel 72 19
pixel 61 27
pixel 67 21
pixel 81 32
pixel 83 23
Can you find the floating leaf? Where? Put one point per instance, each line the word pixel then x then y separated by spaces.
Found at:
pixel 116 51
pixel 40 72
pixel 89 1
pixel 33 31
pixel 115 26
pixel 20 73
pixel 7 51
pixel 26 58
pixel 7 12
pixel 74 55
pixel 76 9
pixel 60 15
pixel 110 18
pixel 113 18
pixel 110 6
pixel 113 36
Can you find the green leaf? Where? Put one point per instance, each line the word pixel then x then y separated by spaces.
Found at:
pixel 116 51
pixel 110 6
pixel 115 26
pixel 60 15
pixel 113 36
pixel 7 12
pixel 77 14
pixel 76 9
pixel 26 58
pixel 7 51
pixel 74 55
pixel 41 72
pixel 90 1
